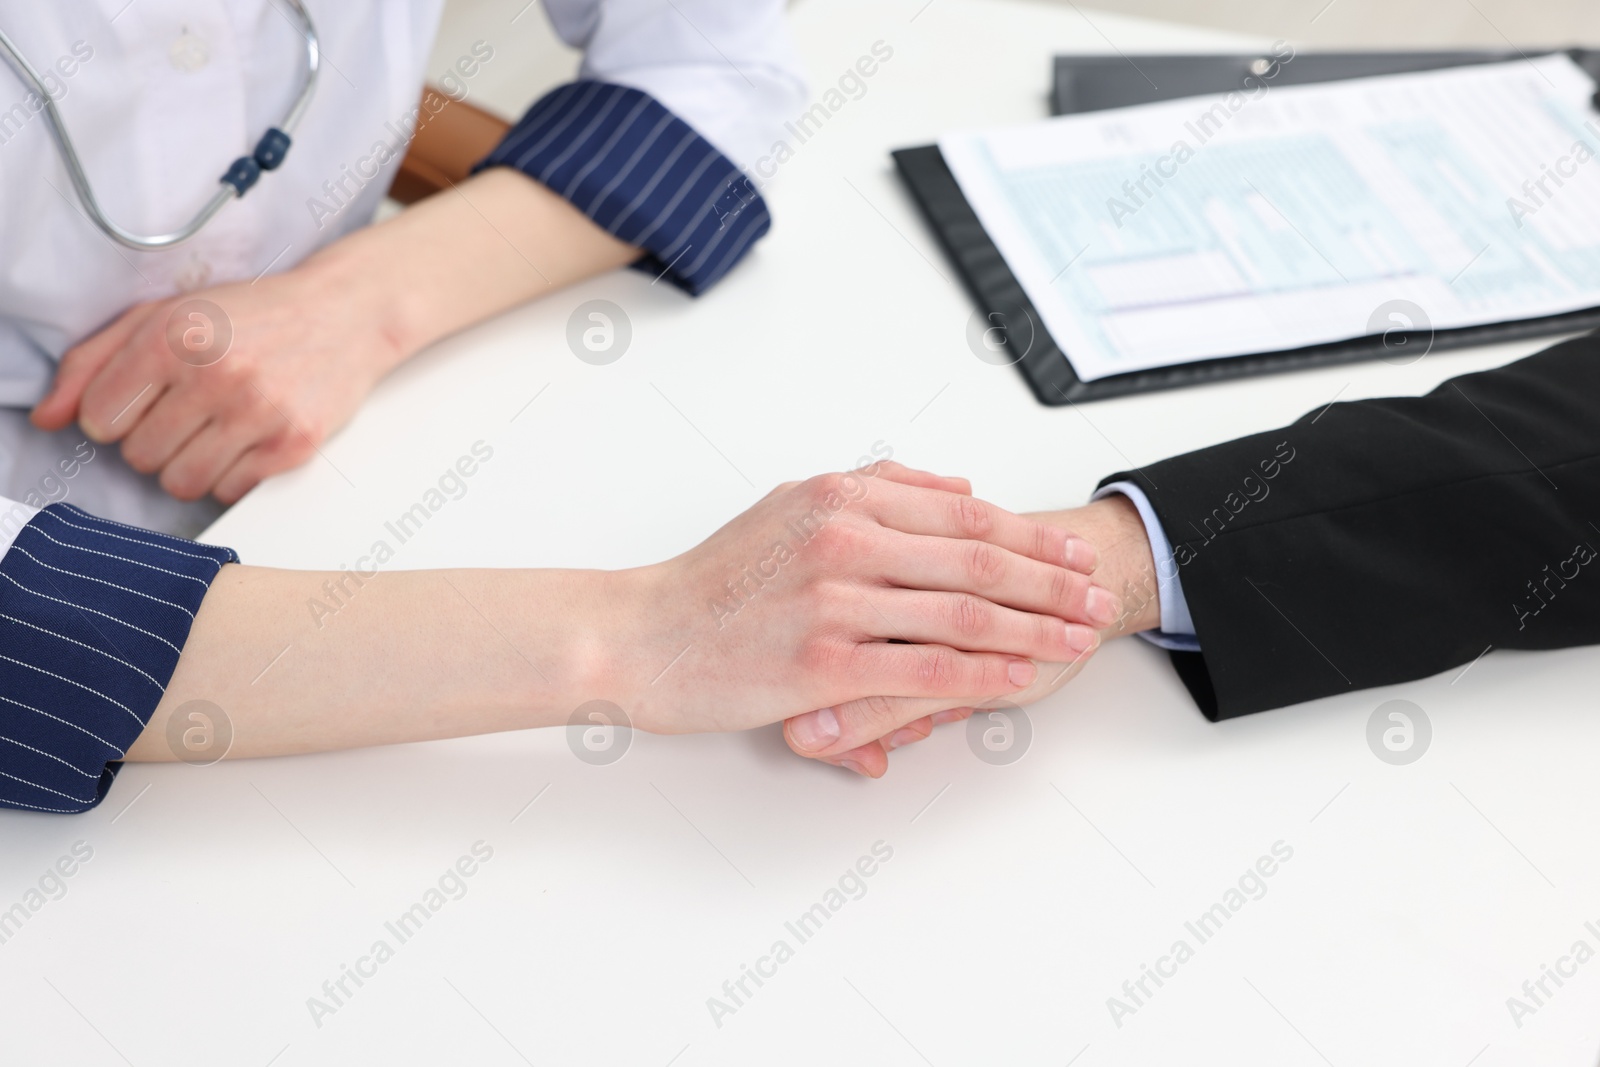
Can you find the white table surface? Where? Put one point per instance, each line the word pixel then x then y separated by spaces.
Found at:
pixel 1018 899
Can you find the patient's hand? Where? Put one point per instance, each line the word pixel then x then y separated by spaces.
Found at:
pixel 868 730
pixel 861 734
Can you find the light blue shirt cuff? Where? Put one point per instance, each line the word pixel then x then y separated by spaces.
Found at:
pixel 1177 628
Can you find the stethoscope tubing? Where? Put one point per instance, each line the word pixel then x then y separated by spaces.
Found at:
pixel 231 187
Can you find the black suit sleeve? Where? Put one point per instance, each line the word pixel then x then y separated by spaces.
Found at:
pixel 1378 541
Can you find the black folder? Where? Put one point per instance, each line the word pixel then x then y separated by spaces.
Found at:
pixel 1092 83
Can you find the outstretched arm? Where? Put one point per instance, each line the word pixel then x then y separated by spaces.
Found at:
pixel 884 580
pixel 1466 513
pixel 796 601
pixel 1379 541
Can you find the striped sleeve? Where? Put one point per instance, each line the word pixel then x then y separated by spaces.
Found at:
pixel 93 615
pixel 643 175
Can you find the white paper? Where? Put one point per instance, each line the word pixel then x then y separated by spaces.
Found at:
pixel 1270 219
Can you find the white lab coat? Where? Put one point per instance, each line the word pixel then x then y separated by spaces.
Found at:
pixel 161 95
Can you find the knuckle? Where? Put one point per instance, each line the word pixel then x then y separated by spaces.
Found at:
pixel 293 452
pixel 233 400
pixel 936 668
pixel 823 486
pixel 1050 634
pixel 986 564
pixel 877 712
pixel 238 374
pixel 286 444
pixel 824 655
pixel 971 517
pixel 837 542
pixel 311 428
pixel 182 484
pixel 970 616
pixel 920 729
pixel 1061 587
pixel 139 458
pixel 988 675
pixel 828 608
pixel 250 419
pixel 1049 543
pixel 267 417
pixel 147 350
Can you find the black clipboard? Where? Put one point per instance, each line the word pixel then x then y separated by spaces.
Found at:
pixel 1091 83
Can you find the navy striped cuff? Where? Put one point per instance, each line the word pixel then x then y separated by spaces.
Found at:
pixel 643 175
pixel 93 615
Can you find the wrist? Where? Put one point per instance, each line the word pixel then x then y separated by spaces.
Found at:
pixel 367 277
pixel 1127 563
pixel 605 646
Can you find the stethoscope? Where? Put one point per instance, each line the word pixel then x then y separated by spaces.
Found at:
pixel 241 176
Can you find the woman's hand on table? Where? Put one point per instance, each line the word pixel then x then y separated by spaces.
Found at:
pixel 881 581
pixel 861 734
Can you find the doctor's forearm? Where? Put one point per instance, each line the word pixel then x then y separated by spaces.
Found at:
pixel 405 656
pixel 496 240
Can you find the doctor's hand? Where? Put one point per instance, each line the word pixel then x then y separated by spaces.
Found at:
pixel 307 345
pixel 861 734
pixel 216 396
pixel 885 580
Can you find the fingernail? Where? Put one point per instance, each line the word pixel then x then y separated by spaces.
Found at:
pixel 943 717
pixel 1021 672
pixel 902 737
pixel 1103 607
pixel 816 730
pixel 1081 555
pixel 854 766
pixel 1082 638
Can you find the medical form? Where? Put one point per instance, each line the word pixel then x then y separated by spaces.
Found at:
pixel 1273 218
